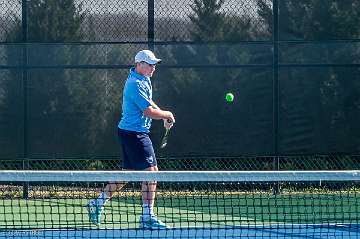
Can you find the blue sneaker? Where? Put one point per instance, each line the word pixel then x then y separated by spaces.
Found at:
pixel 94 211
pixel 152 222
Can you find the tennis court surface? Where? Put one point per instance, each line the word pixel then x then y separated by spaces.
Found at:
pixel 232 204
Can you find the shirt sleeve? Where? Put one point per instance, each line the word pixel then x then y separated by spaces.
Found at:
pixel 140 94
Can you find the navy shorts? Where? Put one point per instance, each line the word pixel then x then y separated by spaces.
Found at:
pixel 137 149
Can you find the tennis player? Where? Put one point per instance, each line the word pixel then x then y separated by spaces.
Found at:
pixel 138 110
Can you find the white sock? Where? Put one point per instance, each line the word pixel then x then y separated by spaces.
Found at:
pixel 148 210
pixel 102 199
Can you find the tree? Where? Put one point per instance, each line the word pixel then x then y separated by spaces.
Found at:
pixel 216 41
pixel 49 102
pixel 10 96
pixel 319 105
pixel 54 21
pixel 51 105
pixel 208 21
pixel 71 112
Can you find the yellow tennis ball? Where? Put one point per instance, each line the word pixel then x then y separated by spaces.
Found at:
pixel 229 97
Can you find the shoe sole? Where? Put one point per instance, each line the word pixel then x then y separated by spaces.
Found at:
pixel 154 228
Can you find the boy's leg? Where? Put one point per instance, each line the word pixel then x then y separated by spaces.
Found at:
pixel 148 195
pixel 148 220
pixel 96 206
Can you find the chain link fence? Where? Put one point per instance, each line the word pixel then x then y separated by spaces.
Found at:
pixel 125 21
pixel 211 163
pixel 295 78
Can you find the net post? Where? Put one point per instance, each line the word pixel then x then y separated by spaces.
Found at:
pixel 276 167
pixel 25 193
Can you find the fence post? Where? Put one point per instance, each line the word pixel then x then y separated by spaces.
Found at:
pixel 151 24
pixel 276 95
pixel 25 88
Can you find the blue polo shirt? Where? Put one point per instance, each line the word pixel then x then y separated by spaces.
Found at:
pixel 137 95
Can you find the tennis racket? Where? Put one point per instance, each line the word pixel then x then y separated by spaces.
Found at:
pixel 165 138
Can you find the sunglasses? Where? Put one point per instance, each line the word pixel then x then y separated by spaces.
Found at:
pixel 148 64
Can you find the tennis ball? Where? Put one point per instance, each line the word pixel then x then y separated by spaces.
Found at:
pixel 229 97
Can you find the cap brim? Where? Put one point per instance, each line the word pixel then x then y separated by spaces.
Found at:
pixel 151 62
pixel 155 61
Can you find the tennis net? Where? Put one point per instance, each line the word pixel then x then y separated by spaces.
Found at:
pixel 229 204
